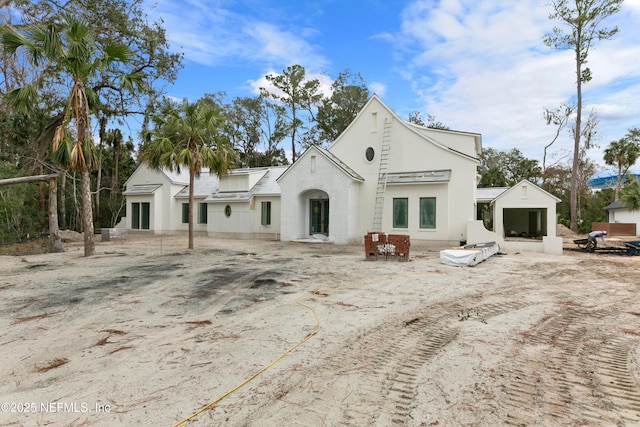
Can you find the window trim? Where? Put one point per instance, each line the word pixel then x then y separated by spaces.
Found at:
pixel 140 215
pixel 185 213
pixel 397 224
pixel 202 213
pixel 265 213
pixel 435 214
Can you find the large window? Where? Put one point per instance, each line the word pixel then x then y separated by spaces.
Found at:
pixel 401 213
pixel 139 216
pixel 428 212
pixel 202 213
pixel 185 213
pixel 266 213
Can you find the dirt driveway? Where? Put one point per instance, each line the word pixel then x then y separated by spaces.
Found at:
pixel 149 333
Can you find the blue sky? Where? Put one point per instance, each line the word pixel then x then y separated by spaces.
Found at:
pixel 477 66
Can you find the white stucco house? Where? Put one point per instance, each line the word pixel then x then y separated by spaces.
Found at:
pixel 381 174
pixel 619 213
pixel 244 203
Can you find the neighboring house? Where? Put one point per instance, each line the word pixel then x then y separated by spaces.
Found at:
pixel 618 213
pixel 523 218
pixel 381 174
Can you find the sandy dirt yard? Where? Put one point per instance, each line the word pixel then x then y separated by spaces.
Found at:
pixel 263 333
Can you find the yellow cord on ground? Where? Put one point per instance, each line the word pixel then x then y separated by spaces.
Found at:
pixel 302 341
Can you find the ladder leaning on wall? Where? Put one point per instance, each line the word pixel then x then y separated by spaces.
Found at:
pixel 378 208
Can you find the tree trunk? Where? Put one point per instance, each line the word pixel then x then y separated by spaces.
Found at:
pixel 192 174
pixel 63 199
pixel 87 213
pixel 116 165
pixel 618 183
pixel 55 244
pixel 103 124
pixel 576 144
pixel 42 203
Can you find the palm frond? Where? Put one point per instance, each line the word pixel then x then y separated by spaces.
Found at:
pixel 23 99
pixel 12 40
pixel 77 161
pixel 92 99
pixel 61 154
pixel 58 136
pixel 116 53
pixel 630 194
pixel 132 82
pixel 89 152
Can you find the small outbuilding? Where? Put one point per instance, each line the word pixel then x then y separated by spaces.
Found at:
pixel 523 218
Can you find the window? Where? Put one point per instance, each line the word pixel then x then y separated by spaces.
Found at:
pixel 202 213
pixel 227 211
pixel 266 213
pixel 401 213
pixel 139 216
pixel 369 154
pixel 185 213
pixel 428 212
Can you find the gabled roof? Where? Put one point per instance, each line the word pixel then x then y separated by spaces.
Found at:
pixel 527 182
pixel 174 177
pixel 266 186
pixel 329 156
pixel 421 131
pixel 203 185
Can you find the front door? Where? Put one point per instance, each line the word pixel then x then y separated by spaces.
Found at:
pixel 319 216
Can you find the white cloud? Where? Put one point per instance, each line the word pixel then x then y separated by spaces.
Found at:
pixel 482 67
pixel 212 35
pixel 378 88
pixel 262 82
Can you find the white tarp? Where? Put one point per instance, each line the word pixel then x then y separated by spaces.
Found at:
pixel 468 255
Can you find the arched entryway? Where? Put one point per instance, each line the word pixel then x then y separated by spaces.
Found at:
pixel 316 205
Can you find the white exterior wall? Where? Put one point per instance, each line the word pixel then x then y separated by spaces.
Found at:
pixel 274 228
pixel 409 152
pixel 241 216
pixel 176 215
pixel 245 219
pixel 161 208
pixel 625 216
pixel 523 196
pixel 413 193
pixel 323 180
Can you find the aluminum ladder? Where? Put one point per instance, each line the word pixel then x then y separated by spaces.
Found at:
pixel 378 208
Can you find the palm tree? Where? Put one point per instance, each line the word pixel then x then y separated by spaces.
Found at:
pixel 630 194
pixel 623 153
pixel 69 52
pixel 187 135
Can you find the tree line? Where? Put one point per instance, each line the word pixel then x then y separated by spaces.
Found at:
pixel 73 71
